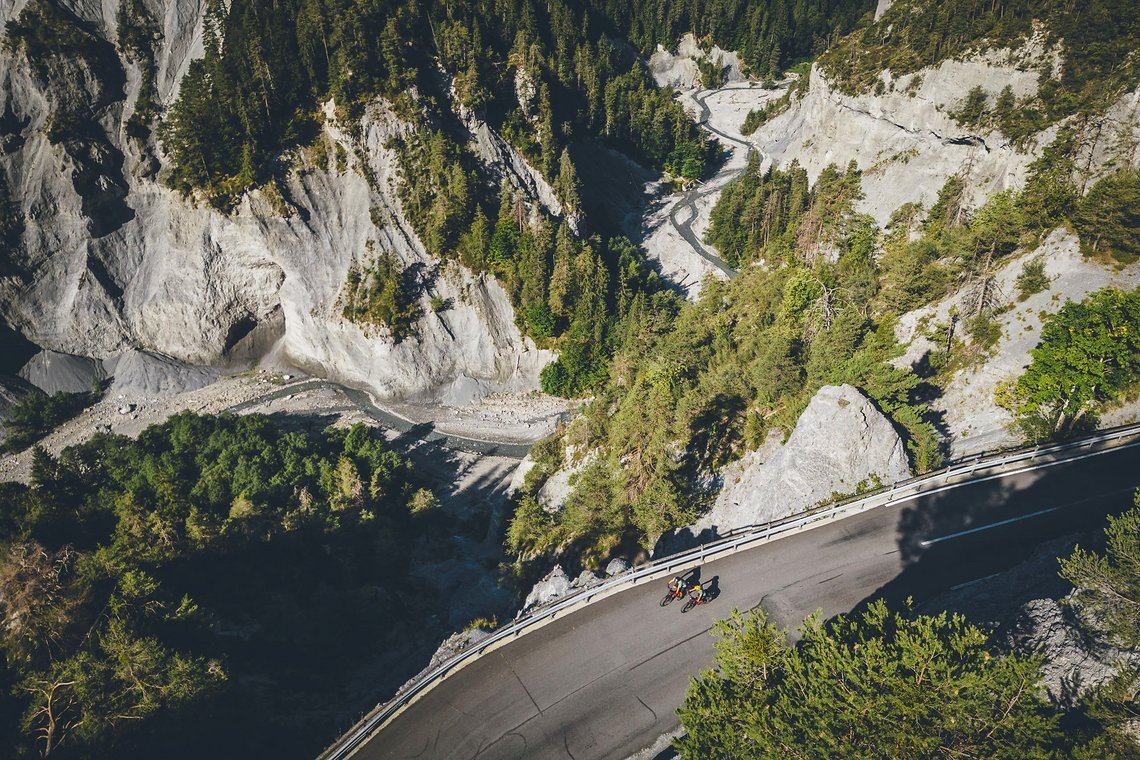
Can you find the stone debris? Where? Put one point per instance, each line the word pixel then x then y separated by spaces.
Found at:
pixel 616 566
pixel 554 585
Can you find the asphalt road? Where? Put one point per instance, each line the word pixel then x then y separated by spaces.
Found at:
pixel 604 681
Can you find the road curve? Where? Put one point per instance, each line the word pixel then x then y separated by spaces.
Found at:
pixel 604 682
pixel 413 431
pixel 688 201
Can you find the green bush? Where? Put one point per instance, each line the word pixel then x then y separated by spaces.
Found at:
pixel 872 684
pixel 382 295
pixel 36 414
pixel 1089 354
pixel 1108 217
pixel 1032 278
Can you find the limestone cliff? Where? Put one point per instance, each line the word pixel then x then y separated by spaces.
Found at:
pixel 907 144
pixel 109 260
pixel 840 442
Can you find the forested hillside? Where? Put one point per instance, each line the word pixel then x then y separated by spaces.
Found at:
pixel 821 287
pixel 216 572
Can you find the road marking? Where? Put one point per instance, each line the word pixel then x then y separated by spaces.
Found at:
pixel 998 524
pixel 976 580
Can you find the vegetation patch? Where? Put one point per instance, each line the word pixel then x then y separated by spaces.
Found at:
pixel 216 570
pixel 37 414
pixel 382 294
pixel 1089 355
pixel 893 684
pixel 1032 279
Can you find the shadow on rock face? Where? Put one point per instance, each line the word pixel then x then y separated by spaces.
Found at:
pixel 683 539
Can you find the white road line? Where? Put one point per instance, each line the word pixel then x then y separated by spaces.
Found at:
pixel 1000 523
pixel 979 529
pixel 976 580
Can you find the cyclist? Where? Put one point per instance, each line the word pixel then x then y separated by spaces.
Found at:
pixel 678 586
pixel 697 593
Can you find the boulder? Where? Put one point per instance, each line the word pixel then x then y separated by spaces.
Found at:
pixel 616 566
pixel 586 579
pixel 456 643
pixel 555 584
pixel 841 442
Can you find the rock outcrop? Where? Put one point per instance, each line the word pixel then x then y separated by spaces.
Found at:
pixel 161 274
pixel 54 372
pixel 903 140
pixel 554 585
pixel 841 442
pixel 680 69
pixel 616 566
pixel 1072 664
pixel 907 144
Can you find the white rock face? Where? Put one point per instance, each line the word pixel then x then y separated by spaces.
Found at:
pixel 555 584
pixel 973 420
pixel 840 441
pixel 202 287
pixel 496 151
pixel 904 140
pixel 680 69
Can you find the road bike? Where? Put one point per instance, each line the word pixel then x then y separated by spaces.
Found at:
pixel 674 593
pixel 693 602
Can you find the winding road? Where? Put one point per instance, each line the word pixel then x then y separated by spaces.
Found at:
pixel 604 681
pixel 417 431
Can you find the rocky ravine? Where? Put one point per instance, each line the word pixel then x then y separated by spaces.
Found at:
pixel 907 145
pixel 110 260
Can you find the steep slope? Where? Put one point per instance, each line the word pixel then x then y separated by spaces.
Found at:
pixel 159 272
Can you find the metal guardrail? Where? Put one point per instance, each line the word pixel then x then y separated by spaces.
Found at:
pixel 727 544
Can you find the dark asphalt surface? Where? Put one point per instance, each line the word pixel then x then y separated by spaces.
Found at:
pixel 604 681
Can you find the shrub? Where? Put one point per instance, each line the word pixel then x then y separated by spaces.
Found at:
pixel 36 415
pixel 1032 278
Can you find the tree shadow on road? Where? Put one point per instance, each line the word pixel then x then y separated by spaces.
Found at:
pixel 951 539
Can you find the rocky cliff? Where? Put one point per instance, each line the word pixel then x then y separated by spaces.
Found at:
pixel 906 142
pixel 110 260
pixel 841 443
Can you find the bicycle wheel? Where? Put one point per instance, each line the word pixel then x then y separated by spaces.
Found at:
pixel 667 600
pixel 688 606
